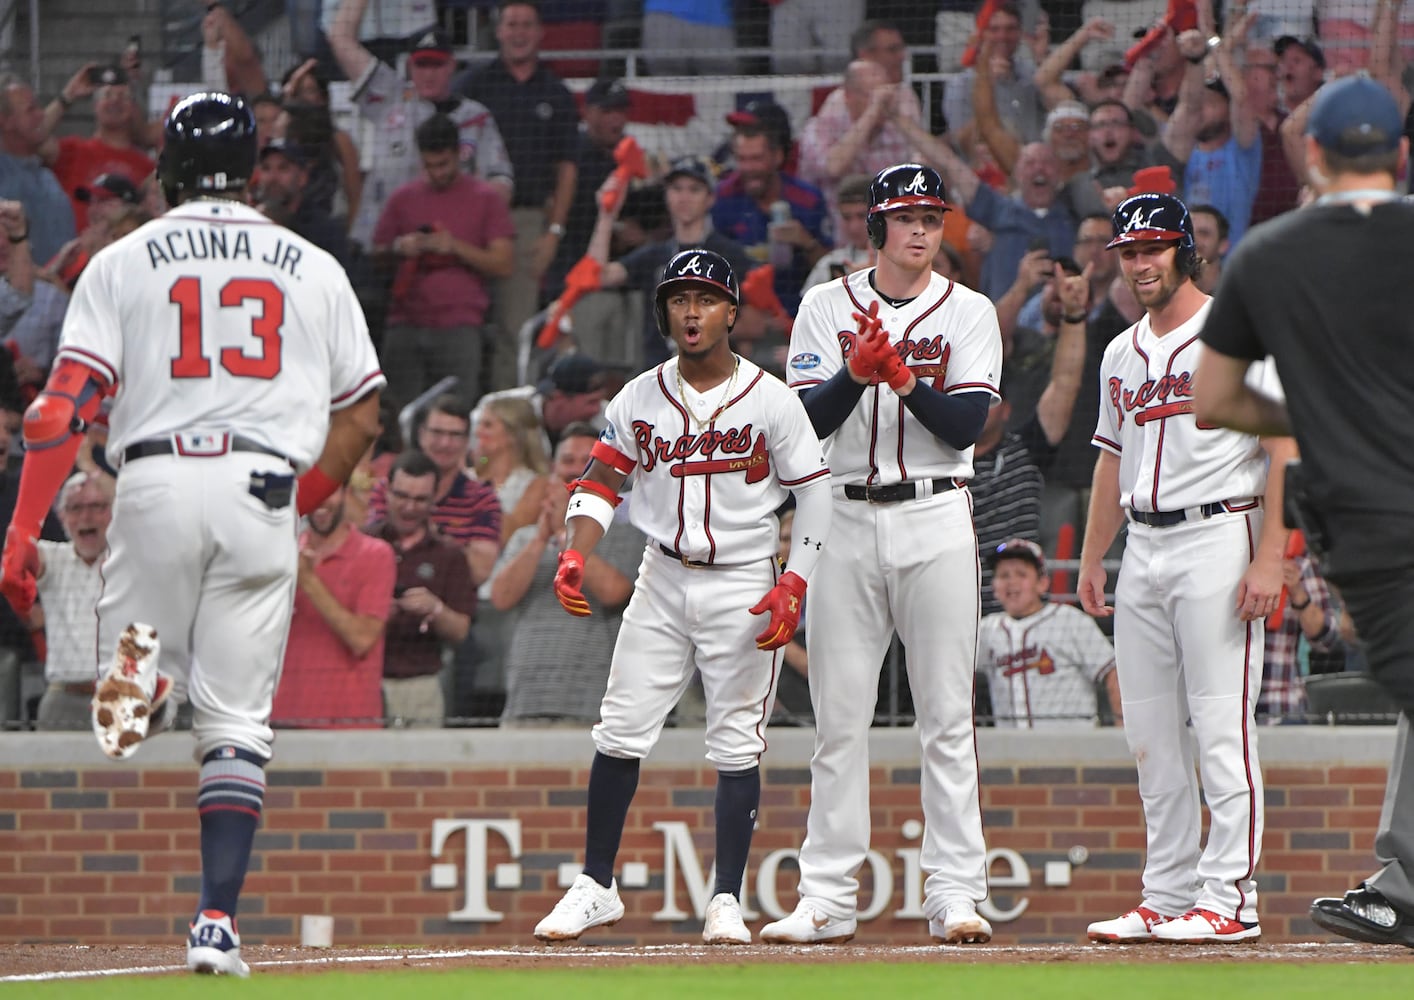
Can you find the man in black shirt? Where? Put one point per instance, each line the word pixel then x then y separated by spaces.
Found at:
pixel 1326 292
pixel 540 126
pixel 281 195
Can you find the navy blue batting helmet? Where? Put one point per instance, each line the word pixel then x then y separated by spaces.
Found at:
pixel 701 267
pixel 900 187
pixel 1153 216
pixel 209 145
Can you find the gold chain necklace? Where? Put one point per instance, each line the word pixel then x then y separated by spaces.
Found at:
pixel 726 396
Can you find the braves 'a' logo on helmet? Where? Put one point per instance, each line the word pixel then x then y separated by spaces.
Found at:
pixel 903 186
pixel 1154 216
pixel 699 267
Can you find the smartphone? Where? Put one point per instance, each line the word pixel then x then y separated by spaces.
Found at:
pixel 103 76
pixel 1039 243
pixel 399 589
pixel 1069 265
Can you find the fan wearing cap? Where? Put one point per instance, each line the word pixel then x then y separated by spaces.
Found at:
pixel 572 392
pixel 280 195
pixel 856 131
pixel 77 161
pixel 1202 569
pixel 393 108
pixel 1325 292
pixel 688 188
pixel 1043 661
pixel 606 105
pixel 1223 158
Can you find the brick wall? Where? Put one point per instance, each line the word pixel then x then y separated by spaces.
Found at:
pixel 96 852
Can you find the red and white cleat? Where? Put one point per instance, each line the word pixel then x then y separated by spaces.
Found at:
pixel 130 694
pixel 1206 927
pixel 1135 927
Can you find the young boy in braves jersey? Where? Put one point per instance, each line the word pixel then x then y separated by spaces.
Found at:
pixel 1201 570
pixel 715 443
pixel 897 368
pixel 1041 659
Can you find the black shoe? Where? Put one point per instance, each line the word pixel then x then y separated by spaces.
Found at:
pixel 1365 915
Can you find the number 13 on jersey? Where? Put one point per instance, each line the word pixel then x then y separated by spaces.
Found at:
pixel 191 361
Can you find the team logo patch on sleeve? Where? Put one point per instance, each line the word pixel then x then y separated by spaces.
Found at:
pixel 607 435
pixel 804 362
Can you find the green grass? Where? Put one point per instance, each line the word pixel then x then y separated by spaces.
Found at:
pixel 1146 981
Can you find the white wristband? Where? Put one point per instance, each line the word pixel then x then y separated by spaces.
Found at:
pixel 590 505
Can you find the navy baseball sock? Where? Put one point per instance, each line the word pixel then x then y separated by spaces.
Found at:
pixel 612 782
pixel 738 796
pixel 229 799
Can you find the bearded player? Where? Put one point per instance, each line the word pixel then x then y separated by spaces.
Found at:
pixel 897 368
pixel 225 342
pixel 1201 570
pixel 716 445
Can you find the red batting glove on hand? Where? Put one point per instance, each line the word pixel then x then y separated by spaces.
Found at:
pixel 569 578
pixel 783 602
pixel 893 371
pixel 19 568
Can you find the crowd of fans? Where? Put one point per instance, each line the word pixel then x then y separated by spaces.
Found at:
pixel 503 257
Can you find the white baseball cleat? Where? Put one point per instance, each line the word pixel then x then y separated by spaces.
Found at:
pixel 214 947
pixel 1199 926
pixel 724 924
pixel 587 904
pixel 809 924
pixel 130 694
pixel 1135 927
pixel 960 923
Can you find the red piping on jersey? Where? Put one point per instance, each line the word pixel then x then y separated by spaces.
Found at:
pixel 930 310
pixel 356 391
pixel 1247 745
pixel 682 485
pixel 105 370
pixel 1168 370
pixel 902 469
pixel 976 616
pixel 1113 444
pixel 808 479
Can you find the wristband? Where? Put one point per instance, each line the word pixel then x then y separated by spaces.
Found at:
pixel 1074 319
pixel 313 489
pixel 591 505
pixel 1300 607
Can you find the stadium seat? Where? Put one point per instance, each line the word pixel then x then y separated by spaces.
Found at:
pixel 572 35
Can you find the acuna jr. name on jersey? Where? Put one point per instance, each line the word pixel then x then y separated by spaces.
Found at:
pixel 177 246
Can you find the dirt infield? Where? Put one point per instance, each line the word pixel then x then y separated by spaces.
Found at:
pixel 49 961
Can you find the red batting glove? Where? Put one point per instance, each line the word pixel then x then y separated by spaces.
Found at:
pixel 868 324
pixel 893 371
pixel 18 569
pixel 569 578
pixel 783 602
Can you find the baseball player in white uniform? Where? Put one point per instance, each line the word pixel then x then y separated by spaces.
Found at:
pixel 897 368
pixel 715 445
pixel 225 341
pixel 1201 570
pixel 1041 659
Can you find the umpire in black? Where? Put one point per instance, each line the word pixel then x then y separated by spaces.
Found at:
pixel 1326 291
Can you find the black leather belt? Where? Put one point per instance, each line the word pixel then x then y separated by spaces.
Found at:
pixel 690 563
pixel 168 446
pixel 896 492
pixel 1167 518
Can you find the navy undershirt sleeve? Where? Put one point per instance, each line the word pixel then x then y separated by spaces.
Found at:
pixel 831 402
pixel 955 420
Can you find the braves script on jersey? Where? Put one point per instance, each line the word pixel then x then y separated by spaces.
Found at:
pixel 1042 669
pixel 948 336
pixel 1168 464
pixel 707 491
pixel 240 324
